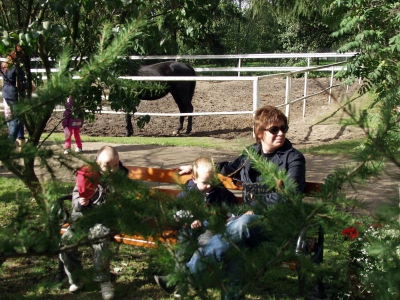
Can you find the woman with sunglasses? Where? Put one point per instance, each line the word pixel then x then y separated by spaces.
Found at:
pixel 270 128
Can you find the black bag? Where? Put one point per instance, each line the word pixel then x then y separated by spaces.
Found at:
pixel 254 192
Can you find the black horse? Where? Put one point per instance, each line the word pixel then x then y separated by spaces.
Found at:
pixel 181 91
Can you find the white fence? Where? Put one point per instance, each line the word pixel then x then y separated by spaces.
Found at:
pixel 241 57
pixel 289 72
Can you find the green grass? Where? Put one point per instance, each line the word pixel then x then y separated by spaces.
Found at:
pixel 205 142
pixel 340 148
pixel 11 192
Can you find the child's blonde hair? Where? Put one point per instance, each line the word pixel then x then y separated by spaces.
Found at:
pixel 108 157
pixel 107 152
pixel 203 162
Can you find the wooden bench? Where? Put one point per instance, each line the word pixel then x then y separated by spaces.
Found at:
pixel 170 176
pixel 168 181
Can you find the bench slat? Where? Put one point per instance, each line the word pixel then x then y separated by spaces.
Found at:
pixel 171 176
pixel 168 236
pixel 157 175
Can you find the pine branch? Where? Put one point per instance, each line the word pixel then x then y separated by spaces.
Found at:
pixel 84 241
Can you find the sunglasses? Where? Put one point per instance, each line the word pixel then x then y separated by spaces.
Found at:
pixel 276 129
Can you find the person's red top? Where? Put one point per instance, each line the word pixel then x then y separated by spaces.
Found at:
pixel 87 181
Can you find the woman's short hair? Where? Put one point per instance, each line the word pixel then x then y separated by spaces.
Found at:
pixel 264 117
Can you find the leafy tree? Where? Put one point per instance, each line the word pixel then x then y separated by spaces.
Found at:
pixel 43 27
pixel 180 23
pixel 218 26
pixel 94 35
pixel 233 28
pixel 248 32
pixel 38 110
pixel 300 20
pixel 292 9
pixel 261 32
pixel 299 37
pixel 84 39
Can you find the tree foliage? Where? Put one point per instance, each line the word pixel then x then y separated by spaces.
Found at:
pixel 304 26
pixel 372 28
pixel 93 36
pixel 85 39
pixel 43 32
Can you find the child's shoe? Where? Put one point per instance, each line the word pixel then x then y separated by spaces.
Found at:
pixel 78 150
pixel 162 282
pixel 67 151
pixel 177 295
pixel 107 290
pixel 20 142
pixel 75 287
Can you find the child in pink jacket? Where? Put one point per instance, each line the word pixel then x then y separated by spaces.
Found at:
pixel 72 126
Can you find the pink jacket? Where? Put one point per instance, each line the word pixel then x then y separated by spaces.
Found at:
pixel 68 118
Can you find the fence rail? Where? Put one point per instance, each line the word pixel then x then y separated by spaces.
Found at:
pixel 255 79
pixel 288 73
pixel 247 56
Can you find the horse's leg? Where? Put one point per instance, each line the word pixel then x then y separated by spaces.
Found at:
pixel 189 128
pixel 180 125
pixel 189 105
pixel 181 107
pixel 129 127
pixel 189 109
pixel 183 93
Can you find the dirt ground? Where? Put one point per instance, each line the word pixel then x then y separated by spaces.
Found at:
pixel 237 96
pixel 233 96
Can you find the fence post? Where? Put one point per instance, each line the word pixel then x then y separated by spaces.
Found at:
pixel 256 96
pixel 305 87
pixel 239 66
pixel 288 94
pixel 330 87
